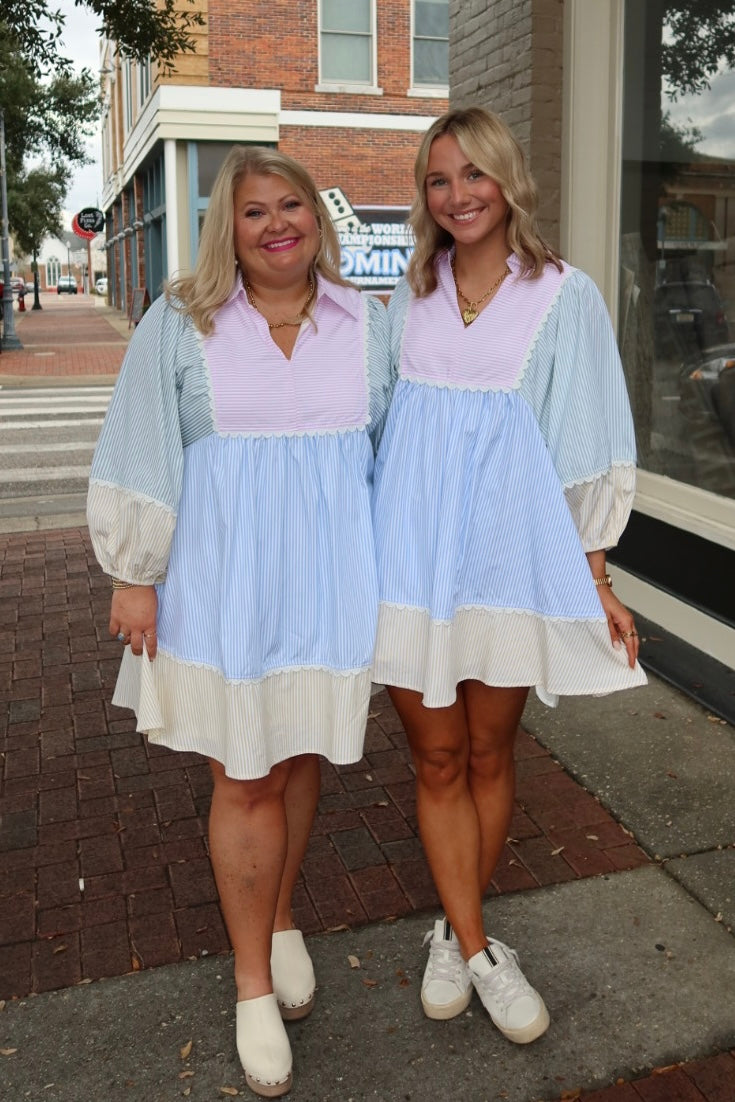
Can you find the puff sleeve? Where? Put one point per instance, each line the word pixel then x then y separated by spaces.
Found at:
pixel 577 388
pixel 136 475
pixel 381 376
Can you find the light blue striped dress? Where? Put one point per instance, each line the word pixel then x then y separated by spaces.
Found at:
pixel 239 481
pixel 508 453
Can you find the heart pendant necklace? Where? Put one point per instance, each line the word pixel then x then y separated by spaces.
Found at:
pixel 470 312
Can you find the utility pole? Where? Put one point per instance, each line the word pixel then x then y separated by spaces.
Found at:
pixel 10 340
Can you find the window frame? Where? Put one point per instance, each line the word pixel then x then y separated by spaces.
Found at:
pixel 329 84
pixel 424 89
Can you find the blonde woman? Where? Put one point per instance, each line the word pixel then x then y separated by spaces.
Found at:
pixel 230 503
pixel 505 471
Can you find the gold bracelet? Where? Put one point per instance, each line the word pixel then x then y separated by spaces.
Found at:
pixel 118 584
pixel 604 580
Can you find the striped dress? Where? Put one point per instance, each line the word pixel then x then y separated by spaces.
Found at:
pixel 238 481
pixel 507 454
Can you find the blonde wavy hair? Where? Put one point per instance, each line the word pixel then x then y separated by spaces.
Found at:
pixel 488 144
pixel 201 293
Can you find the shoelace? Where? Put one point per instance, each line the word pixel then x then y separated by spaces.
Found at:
pixel 446 964
pixel 507 983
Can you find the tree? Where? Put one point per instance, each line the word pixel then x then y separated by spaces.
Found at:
pixel 141 29
pixel 48 118
pixel 700 36
pixel 36 199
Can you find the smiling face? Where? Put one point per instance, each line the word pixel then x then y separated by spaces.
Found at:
pixel 462 199
pixel 276 231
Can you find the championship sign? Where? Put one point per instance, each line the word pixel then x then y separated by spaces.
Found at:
pixel 88 223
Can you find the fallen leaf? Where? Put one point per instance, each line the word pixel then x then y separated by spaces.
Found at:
pixel 557 851
pixel 592 837
pixel 659 715
pixel 188 1074
pixel 232 1091
pixel 370 983
pixel 671 774
pixel 571 1096
pixel 337 929
pixel 187 1092
pixel 354 962
pixel 381 803
pixel 665 1070
pixel 374 715
pixel 7 1051
pixel 368 776
pixel 405 982
pixel 185 1052
pixel 718 916
pixel 60 949
pixel 135 964
pixel 2 1004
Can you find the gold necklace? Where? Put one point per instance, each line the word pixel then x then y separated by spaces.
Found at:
pixel 469 315
pixel 301 316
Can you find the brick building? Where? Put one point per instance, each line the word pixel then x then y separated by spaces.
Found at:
pixel 586 88
pixel 345 88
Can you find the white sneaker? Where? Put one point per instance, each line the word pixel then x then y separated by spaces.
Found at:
pixel 446 988
pixel 514 1006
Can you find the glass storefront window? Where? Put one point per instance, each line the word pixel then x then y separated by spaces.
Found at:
pixel 677 285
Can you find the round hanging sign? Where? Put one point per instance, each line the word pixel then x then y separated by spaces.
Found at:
pixel 88 223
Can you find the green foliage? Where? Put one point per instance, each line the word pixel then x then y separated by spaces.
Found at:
pixel 140 29
pixel 46 120
pixel 35 203
pixel 701 36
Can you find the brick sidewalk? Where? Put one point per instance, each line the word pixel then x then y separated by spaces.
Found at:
pixel 69 336
pixel 103 853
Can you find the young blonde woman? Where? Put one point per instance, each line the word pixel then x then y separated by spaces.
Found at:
pixel 230 502
pixel 505 471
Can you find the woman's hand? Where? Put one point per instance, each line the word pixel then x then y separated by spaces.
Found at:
pixel 133 616
pixel 620 622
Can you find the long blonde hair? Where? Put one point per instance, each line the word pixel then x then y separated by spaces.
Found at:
pixel 488 144
pixel 208 287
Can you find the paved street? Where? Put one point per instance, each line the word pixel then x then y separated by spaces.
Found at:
pixel 615 884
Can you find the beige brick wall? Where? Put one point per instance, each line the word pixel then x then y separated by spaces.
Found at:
pixel 507 56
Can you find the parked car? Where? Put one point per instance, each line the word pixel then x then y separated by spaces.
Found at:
pixel 101 285
pixel 688 317
pixel 30 287
pixel 708 388
pixel 18 285
pixel 66 285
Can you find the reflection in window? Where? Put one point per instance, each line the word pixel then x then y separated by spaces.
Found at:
pixel 677 287
pixel 346 44
pixel 431 43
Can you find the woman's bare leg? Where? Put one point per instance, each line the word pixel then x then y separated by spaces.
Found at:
pixel 248 840
pixel 300 799
pixel 449 824
pixel 493 715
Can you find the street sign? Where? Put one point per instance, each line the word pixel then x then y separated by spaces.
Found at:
pixel 88 223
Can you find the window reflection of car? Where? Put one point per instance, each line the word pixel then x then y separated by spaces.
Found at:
pixel 708 388
pixel 688 317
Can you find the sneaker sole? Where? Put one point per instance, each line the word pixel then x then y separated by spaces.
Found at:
pixel 440 1012
pixel 529 1032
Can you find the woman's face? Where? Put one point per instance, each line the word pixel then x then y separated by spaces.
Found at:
pixel 461 198
pixel 276 231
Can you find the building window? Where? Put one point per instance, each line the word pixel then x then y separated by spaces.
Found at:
pixel 144 80
pixel 677 289
pixel 53 271
pixel 129 89
pixel 430 43
pixel 346 42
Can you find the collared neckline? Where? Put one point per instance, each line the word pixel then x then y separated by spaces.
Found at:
pixel 344 297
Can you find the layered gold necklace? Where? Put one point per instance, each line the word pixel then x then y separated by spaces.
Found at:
pixel 300 317
pixel 471 311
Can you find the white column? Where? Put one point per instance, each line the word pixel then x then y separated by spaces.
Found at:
pixel 172 207
pixel 592 141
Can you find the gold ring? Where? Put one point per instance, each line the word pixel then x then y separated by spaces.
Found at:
pixel 628 634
